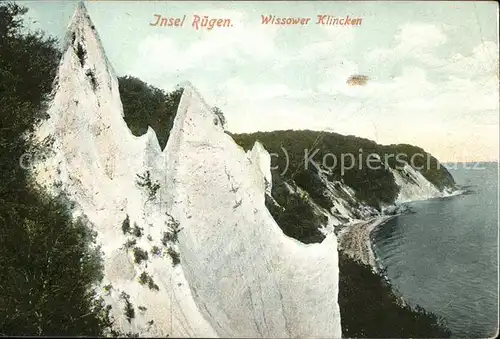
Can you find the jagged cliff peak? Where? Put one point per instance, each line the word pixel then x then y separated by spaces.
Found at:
pixel 83 49
pixel 229 262
pixel 237 259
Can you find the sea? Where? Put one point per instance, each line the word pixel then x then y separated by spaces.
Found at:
pixel 443 254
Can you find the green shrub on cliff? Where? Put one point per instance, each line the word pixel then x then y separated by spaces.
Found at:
pixel 428 165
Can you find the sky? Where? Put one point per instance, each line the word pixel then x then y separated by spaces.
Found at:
pixel 432 67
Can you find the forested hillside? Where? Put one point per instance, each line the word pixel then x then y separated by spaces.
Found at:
pixel 374 186
pixel 48 266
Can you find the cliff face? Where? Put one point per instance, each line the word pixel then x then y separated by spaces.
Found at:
pixel 188 244
pixel 96 161
pixel 250 269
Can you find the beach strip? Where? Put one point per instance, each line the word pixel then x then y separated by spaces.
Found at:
pixel 355 241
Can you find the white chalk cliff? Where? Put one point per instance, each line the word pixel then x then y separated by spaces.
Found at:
pixel 413 186
pixel 239 275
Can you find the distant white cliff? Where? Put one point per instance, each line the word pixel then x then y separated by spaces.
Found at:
pixel 414 186
pixel 201 200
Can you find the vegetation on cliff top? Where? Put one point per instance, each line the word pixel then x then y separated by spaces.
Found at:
pixel 373 184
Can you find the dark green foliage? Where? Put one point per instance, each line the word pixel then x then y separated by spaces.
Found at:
pixel 119 334
pixel 93 81
pixel 145 181
pixel 27 68
pixel 145 105
pixel 48 268
pixel 130 243
pixel 126 225
pixel 176 258
pixel 48 272
pixel 137 231
pixel 167 238
pixel 152 285
pixel 129 308
pixel 311 182
pixel 80 53
pixel 294 215
pixel 172 235
pixel 220 115
pixel 145 278
pixel 140 255
pixel 370 309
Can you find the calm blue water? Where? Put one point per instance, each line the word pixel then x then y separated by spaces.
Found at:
pixel 444 256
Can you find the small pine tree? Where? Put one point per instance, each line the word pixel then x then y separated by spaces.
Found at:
pixel 146 182
pixel 129 308
pixel 126 225
pixel 176 258
pixel 217 111
pixel 140 255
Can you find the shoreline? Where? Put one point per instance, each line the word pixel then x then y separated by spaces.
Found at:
pixel 356 242
pixel 355 239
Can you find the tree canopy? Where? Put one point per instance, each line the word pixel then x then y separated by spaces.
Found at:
pixel 48 266
pixel 372 185
pixel 145 105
